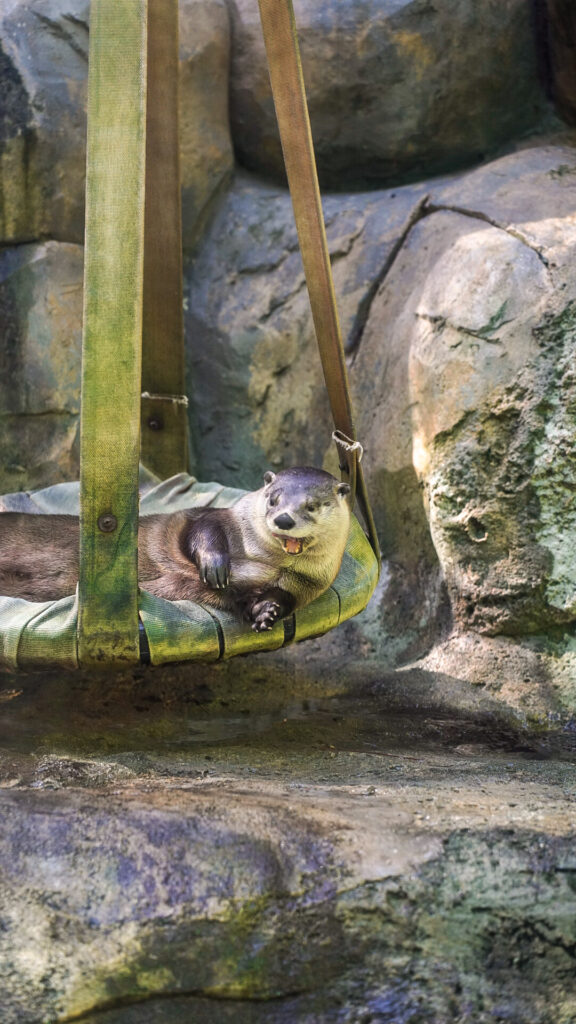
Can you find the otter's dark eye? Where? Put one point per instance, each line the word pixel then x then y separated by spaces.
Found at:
pixel 311 507
pixel 273 500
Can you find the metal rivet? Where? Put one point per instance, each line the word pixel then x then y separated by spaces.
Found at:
pixel 107 523
pixel 155 424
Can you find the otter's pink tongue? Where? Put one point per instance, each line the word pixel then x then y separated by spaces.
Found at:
pixel 293 545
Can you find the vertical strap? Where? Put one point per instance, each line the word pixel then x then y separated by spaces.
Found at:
pixel 164 418
pixel 111 364
pixel 284 64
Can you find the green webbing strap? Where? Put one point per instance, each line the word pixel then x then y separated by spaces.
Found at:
pixel 164 412
pixel 279 28
pixel 110 420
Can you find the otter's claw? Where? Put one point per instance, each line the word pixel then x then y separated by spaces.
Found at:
pixel 264 615
pixel 215 570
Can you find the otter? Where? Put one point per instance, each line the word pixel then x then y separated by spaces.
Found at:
pixel 269 554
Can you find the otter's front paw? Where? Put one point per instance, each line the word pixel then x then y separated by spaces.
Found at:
pixel 264 614
pixel 214 568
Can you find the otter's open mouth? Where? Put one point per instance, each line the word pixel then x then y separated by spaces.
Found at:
pixel 291 545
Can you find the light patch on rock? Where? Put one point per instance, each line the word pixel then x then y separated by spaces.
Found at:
pixel 554 480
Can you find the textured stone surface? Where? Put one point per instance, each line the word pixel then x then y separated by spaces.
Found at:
pixel 43 63
pixel 477 364
pixel 254 368
pixel 478 316
pixel 205 146
pixel 456 309
pixel 42 149
pixel 398 89
pixel 558 28
pixel 41 315
pixel 170 851
pixel 316 835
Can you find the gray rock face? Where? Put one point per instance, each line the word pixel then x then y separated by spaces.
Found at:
pixel 255 374
pixel 41 314
pixel 457 307
pixel 457 311
pixel 481 321
pixel 43 61
pixel 45 54
pixel 558 27
pixel 398 89
pixel 205 146
pixel 305 862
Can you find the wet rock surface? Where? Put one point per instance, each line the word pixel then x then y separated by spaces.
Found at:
pixel 175 846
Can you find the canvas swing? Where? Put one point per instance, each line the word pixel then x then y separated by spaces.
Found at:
pixel 133 401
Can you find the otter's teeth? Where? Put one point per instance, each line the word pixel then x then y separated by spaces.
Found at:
pixel 292 545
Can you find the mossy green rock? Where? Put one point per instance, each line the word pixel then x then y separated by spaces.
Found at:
pixel 476 362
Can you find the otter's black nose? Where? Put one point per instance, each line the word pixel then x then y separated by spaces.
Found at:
pixel 285 522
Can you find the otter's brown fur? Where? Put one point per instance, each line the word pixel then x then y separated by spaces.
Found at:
pixel 275 550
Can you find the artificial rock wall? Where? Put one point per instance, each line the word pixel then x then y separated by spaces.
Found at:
pixel 358 829
pixel 451 228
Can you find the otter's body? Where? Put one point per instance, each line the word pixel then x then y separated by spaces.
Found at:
pixel 275 550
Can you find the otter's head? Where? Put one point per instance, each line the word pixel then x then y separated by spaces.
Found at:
pixel 305 507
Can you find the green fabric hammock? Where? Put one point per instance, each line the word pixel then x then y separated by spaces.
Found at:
pixel 134 402
pixel 44 634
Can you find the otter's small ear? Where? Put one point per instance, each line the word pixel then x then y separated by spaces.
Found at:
pixel 269 476
pixel 343 490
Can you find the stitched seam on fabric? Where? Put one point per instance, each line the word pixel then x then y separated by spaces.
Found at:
pixel 219 631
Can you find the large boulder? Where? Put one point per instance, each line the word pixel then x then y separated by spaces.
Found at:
pixel 397 89
pixel 476 363
pixel 44 54
pixel 475 366
pixel 43 66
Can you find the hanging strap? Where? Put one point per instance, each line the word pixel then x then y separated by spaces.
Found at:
pixel 287 81
pixel 111 362
pixel 164 405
